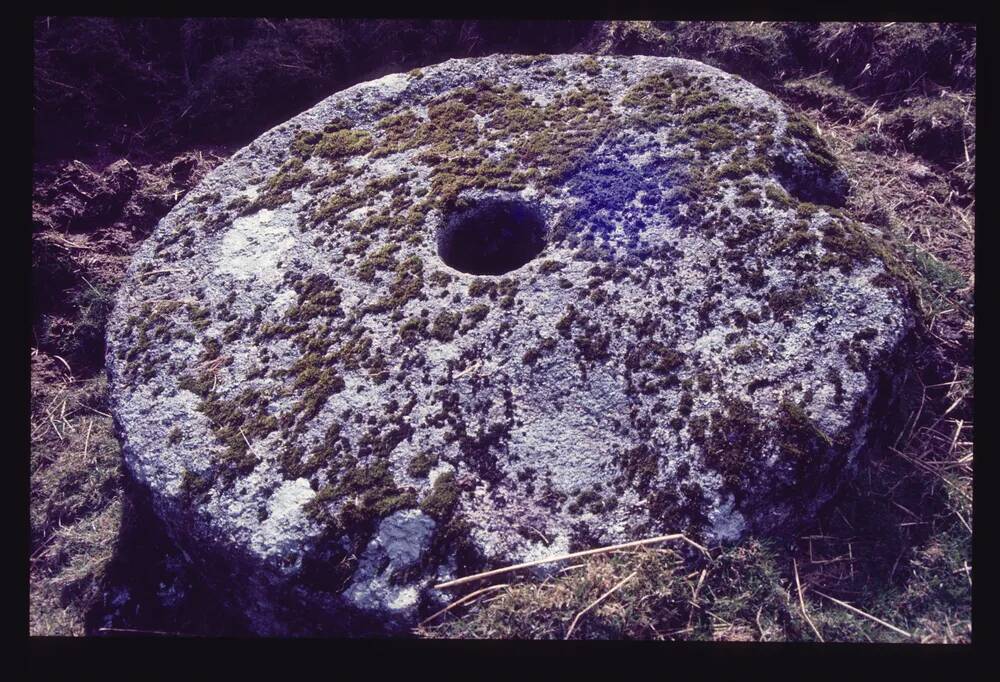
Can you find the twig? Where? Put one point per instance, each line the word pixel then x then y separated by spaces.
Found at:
pixel 467 370
pixel 718 617
pixel 68 368
pixel 146 632
pixel 866 615
pixel 103 414
pixel 598 601
pixel 161 271
pixel 895 564
pixel 694 595
pixel 697 588
pixel 35 429
pixel 69 244
pixel 802 602
pixel 55 428
pixel 677 632
pixel 539 534
pixel 573 555
pixel 835 560
pixel 464 599
pixel 906 425
pixel 931 470
pixel 92 287
pixel 183 301
pixel 845 519
pixel 962 519
pixel 958 400
pixel 62 416
pixel 86 440
pixel 49 80
pixel 954 440
pixel 37 554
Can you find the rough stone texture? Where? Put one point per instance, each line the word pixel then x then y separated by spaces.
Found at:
pixel 331 419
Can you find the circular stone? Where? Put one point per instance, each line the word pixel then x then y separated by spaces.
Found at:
pixel 496 310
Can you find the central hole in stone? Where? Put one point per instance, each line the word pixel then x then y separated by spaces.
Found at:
pixel 491 237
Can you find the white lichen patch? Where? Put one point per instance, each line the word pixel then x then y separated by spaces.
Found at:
pixel 253 246
pixel 280 532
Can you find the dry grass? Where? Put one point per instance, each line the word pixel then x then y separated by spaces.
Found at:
pixel 736 595
pixel 76 506
pixel 546 609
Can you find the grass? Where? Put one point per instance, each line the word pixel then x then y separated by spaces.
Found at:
pixel 736 595
pixel 80 340
pixel 76 503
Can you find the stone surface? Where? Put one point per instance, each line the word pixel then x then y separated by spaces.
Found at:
pixel 672 328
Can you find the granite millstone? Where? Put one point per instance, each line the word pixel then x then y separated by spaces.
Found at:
pixel 495 310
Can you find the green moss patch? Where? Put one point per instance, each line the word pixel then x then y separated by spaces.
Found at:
pixel 371 494
pixel 441 500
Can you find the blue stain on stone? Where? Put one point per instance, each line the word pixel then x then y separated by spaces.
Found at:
pixel 607 184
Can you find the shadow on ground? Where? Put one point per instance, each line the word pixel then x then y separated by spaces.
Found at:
pixel 151 586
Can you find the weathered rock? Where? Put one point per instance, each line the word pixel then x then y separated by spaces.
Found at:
pixel 492 311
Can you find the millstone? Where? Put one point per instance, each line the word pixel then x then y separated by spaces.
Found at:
pixel 492 311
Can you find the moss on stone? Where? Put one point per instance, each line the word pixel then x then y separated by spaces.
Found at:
pixel 445 325
pixel 343 143
pixel 590 66
pixel 380 260
pixel 175 436
pixel 407 285
pixel 549 266
pixel 639 466
pixel 817 151
pixel 475 314
pixel 480 287
pixel 800 437
pixel 193 486
pixel 778 196
pixel 734 442
pixel 369 493
pixel 532 355
pixel 586 500
pixel 421 464
pixel 784 302
pixel 413 330
pixel 455 140
pixel 441 500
